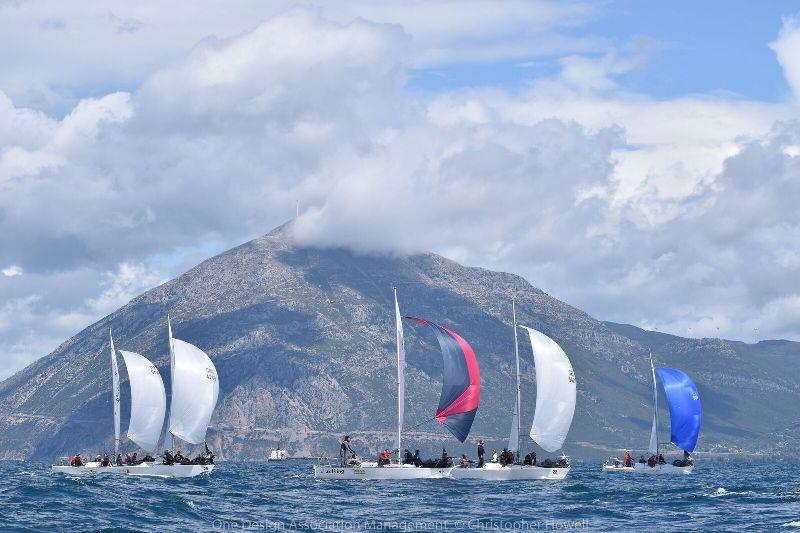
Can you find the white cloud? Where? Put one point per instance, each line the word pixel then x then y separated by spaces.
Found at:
pixel 81 48
pixel 672 213
pixel 12 271
pixel 787 50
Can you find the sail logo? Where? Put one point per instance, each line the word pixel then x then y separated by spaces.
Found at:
pixel 211 375
pixel 153 370
pixel 571 376
pixel 695 397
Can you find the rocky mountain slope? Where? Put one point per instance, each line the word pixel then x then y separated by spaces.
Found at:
pixel 303 340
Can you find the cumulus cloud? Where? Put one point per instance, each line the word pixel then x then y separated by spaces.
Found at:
pixel 81 48
pixel 787 50
pixel 11 271
pixel 665 213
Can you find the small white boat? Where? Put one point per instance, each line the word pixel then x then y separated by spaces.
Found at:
pixel 457 406
pixel 685 415
pixel 278 455
pixel 555 407
pixel 195 389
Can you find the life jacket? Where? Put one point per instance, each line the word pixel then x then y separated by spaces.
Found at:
pixel 74 461
pixel 651 462
pixel 384 455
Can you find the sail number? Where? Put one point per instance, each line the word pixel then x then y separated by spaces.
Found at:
pixel 210 374
pixel 571 376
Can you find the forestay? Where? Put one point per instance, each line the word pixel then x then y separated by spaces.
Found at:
pixel 555 392
pixel 148 401
pixel 195 388
pixel 684 407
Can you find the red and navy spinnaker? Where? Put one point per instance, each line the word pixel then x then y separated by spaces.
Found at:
pixel 461 381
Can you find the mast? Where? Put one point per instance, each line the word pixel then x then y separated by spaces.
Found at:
pixel 115 394
pixel 172 371
pixel 519 388
pixel 654 431
pixel 401 363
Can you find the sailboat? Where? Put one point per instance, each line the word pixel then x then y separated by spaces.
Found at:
pixel 555 407
pixel 458 404
pixel 195 388
pixel 685 415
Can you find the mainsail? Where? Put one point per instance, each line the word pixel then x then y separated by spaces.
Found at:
pixel 555 392
pixel 195 388
pixel 684 407
pixel 461 382
pixel 401 367
pixel 653 448
pixel 148 401
pixel 115 393
pixel 513 438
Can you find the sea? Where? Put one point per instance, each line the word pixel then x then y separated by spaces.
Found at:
pixel 284 496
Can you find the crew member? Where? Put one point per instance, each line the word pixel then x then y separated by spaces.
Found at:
pixel 345 450
pixel 481 451
pixel 383 458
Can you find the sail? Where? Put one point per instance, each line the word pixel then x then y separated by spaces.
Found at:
pixel 653 448
pixel 684 407
pixel 401 370
pixel 195 388
pixel 461 382
pixel 115 393
pixel 555 392
pixel 148 401
pixel 513 437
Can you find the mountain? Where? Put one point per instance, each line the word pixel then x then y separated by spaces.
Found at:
pixel 303 341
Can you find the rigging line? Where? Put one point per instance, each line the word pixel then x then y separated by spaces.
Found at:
pixel 415 426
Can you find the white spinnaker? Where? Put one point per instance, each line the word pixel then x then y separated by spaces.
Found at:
pixel 401 371
pixel 195 388
pixel 148 401
pixel 115 393
pixel 555 392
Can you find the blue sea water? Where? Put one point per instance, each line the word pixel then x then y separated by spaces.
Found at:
pixel 718 496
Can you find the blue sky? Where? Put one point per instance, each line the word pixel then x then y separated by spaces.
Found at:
pixel 689 47
pixel 638 160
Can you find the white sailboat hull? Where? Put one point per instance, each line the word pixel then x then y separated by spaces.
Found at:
pixel 144 469
pixel 495 472
pixel 372 471
pixel 639 468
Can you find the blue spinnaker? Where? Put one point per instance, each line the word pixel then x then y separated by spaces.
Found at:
pixel 684 407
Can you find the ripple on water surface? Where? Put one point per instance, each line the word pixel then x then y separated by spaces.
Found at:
pixel 717 496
